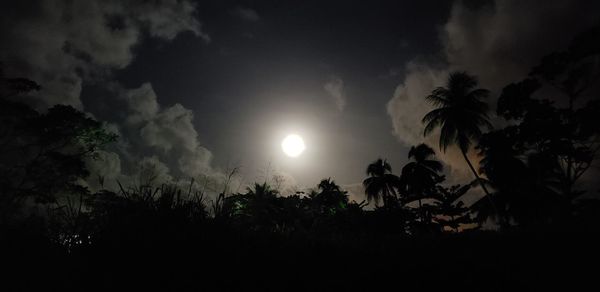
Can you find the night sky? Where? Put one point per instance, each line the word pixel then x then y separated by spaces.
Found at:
pixel 195 88
pixel 260 78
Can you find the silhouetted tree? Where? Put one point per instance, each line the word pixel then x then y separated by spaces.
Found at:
pixel 330 198
pixel 536 163
pixel 574 134
pixel 518 195
pixel 381 183
pixel 420 176
pixel 263 190
pixel 42 154
pixel 260 207
pixel 450 210
pixel 460 113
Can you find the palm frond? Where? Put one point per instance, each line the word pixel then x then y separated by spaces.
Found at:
pixel 460 80
pixel 438 97
pixel 448 135
pixel 433 120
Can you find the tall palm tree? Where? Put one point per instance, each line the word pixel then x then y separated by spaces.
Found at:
pixel 423 171
pixel 381 183
pixel 460 114
pixel 420 175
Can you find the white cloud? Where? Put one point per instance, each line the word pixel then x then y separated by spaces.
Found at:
pixel 169 130
pixel 407 107
pixel 158 145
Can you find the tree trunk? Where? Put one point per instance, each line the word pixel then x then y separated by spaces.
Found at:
pixel 475 172
pixel 487 193
pixel 421 211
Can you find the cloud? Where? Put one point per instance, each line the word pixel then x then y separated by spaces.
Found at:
pixel 335 89
pixel 246 14
pixel 168 131
pixel 407 106
pixel 157 145
pixel 169 18
pixel 142 102
pixel 106 167
pixel 150 171
pixel 499 42
pixel 62 44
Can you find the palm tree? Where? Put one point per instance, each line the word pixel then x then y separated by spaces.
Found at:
pixel 421 175
pixel 329 185
pixel 423 171
pixel 331 197
pixel 262 191
pixel 260 207
pixel 381 183
pixel 460 113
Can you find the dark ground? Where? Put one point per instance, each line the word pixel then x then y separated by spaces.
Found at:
pixel 227 260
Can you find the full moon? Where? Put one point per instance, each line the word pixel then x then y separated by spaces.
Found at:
pixel 293 145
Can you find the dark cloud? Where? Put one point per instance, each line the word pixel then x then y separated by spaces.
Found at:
pixel 62 44
pixel 65 45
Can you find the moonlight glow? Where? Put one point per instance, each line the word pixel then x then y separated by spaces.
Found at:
pixel 293 145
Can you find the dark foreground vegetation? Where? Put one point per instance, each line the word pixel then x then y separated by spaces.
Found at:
pixel 535 226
